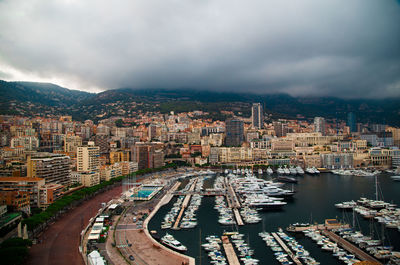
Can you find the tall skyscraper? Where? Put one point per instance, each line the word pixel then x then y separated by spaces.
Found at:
pixel 234 132
pixel 257 118
pixel 351 122
pixel 88 158
pixel 319 125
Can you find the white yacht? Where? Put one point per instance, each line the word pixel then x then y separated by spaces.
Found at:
pixel 260 171
pixel 395 178
pixel 170 241
pixel 310 170
pixel 293 170
pixel 269 171
pixel 286 170
pixel 280 171
pixel 346 205
pixel 299 170
pixel 316 171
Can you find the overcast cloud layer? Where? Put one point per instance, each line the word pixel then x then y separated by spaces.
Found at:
pixel 302 47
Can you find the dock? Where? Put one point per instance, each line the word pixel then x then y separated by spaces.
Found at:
pixel 297 229
pixel 185 203
pixel 288 251
pixel 233 202
pixel 238 217
pixel 229 251
pixel 350 247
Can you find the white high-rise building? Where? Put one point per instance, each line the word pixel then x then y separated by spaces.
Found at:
pixel 319 125
pixel 88 158
pixel 257 118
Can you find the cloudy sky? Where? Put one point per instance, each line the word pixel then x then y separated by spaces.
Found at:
pixel 301 47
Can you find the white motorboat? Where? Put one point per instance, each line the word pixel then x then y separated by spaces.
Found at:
pixel 171 242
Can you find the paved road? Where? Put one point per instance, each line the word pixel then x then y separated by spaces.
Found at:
pixel 60 241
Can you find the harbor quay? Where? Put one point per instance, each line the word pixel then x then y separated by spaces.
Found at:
pixel 141 233
pixel 128 240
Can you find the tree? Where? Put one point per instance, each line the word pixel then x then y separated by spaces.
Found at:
pixel 119 123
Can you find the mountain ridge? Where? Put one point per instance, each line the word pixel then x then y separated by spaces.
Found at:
pixel 30 98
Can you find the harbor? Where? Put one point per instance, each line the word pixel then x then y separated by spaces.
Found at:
pixel 296 209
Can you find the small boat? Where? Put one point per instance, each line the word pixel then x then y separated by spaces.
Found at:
pixel 310 170
pixel 395 178
pixel 287 179
pixel 346 205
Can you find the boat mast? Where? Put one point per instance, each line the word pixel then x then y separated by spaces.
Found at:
pixel 200 246
pixel 354 219
pixel 376 187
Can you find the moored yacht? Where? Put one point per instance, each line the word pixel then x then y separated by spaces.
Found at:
pixel 293 170
pixel 171 242
pixel 310 170
pixel 286 170
pixel 299 170
pixel 395 178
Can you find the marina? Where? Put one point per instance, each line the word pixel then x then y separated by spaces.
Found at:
pixel 322 186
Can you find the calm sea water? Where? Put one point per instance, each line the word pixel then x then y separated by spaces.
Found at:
pixel 314 200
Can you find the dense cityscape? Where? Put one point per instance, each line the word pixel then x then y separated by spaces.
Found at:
pixel 229 132
pixel 44 159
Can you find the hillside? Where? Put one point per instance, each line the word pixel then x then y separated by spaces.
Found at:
pixel 28 98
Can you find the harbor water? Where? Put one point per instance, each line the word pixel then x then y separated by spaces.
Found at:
pixel 313 202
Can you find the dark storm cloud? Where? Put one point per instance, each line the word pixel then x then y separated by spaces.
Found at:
pixel 304 47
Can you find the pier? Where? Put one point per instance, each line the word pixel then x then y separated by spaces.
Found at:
pixel 233 201
pixel 232 198
pixel 229 251
pixel 288 251
pixel 185 204
pixel 350 247
pixel 238 217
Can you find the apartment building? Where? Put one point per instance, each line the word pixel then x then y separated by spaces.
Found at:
pixel 25 184
pixel 53 168
pixel 88 158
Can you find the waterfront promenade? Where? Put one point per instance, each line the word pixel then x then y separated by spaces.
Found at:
pixel 60 241
pixel 151 251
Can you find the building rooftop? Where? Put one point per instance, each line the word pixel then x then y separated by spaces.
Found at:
pixel 18 179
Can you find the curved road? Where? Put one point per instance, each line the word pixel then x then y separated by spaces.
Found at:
pixel 60 242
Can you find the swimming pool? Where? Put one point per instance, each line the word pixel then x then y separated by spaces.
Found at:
pixel 146 192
